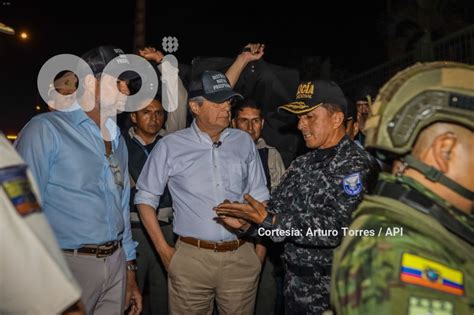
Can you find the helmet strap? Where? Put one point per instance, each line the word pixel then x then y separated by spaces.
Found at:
pixel 435 175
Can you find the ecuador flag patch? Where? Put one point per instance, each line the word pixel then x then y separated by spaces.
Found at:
pixel 14 181
pixel 428 273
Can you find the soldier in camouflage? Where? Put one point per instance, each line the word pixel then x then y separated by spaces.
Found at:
pixel 314 200
pixel 420 259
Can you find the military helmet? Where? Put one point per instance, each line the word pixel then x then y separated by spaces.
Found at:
pixel 416 98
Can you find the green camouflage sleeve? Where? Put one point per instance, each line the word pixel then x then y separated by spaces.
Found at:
pixel 408 274
pixel 362 277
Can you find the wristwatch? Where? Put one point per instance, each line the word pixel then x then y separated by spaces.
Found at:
pixel 268 221
pixel 132 266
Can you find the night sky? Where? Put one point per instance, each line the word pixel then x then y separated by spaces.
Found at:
pixel 344 31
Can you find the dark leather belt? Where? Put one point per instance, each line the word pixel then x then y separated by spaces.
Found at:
pixel 217 247
pixel 100 251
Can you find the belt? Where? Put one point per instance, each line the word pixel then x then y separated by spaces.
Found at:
pixel 100 251
pixel 217 247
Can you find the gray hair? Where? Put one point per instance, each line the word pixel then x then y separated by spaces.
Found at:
pixel 198 99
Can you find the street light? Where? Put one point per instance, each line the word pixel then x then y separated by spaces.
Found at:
pixel 24 35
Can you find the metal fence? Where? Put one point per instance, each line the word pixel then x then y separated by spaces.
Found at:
pixel 458 46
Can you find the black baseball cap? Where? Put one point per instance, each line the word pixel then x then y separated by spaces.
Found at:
pixel 99 57
pixel 313 94
pixel 213 86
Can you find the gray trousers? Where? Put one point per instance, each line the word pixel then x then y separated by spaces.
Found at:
pixel 152 272
pixel 102 281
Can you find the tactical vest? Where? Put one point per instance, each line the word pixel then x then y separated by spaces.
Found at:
pixel 429 223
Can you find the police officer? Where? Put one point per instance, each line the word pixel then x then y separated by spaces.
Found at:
pixel 419 258
pixel 314 200
pixel 34 277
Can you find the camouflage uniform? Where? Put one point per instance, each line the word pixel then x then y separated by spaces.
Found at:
pixel 319 191
pixel 429 269
pixel 378 275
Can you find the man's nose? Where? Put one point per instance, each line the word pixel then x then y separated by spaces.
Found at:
pixel 300 123
pixel 154 117
pixel 250 126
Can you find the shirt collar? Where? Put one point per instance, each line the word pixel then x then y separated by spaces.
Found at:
pixel 345 141
pixel 203 137
pixel 261 143
pixel 78 116
pixel 133 134
pixel 332 155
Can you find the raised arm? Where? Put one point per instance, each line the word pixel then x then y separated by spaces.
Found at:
pixel 251 52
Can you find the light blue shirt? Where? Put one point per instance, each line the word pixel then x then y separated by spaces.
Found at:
pixel 201 175
pixel 84 205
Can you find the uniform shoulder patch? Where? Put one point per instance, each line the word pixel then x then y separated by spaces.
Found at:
pixel 427 273
pixel 352 184
pixel 14 182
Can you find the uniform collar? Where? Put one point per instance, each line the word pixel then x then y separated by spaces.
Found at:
pixel 330 155
pixel 414 184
